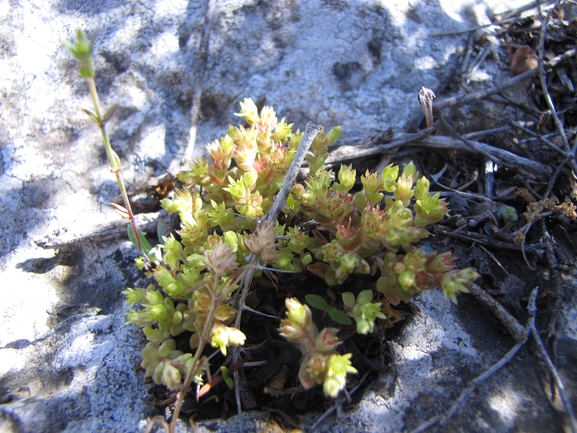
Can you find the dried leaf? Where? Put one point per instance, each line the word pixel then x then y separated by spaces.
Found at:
pixel 109 113
pixel 205 389
pixel 523 60
pixel 121 210
pixel 426 97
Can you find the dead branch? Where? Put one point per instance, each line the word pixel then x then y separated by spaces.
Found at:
pixel 542 353
pixel 524 8
pixel 556 288
pixel 526 166
pixel 487 241
pixel 472 144
pixel 465 98
pixel 158 419
pixel 542 78
pixel 533 169
pixel 541 138
pixel 311 132
pixel 508 321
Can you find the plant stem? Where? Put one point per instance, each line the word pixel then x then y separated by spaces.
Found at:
pixel 204 336
pixel 310 133
pixel 114 162
pixel 189 378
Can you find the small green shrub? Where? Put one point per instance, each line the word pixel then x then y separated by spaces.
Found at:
pixel 370 231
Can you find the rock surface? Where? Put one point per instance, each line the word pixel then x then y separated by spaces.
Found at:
pixel 68 361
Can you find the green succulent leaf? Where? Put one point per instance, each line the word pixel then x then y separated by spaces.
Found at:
pixel 348 299
pixel 333 135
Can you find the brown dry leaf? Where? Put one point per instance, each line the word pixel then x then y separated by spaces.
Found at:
pixel 523 60
pixel 208 386
pixel 426 97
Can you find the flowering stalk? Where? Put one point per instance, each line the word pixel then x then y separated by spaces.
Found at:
pixel 82 51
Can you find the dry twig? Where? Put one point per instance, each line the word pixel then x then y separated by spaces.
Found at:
pixel 158 419
pixel 466 98
pixel 474 29
pixel 542 77
pixel 515 329
pixel 470 143
pixel 530 168
pixel 311 132
pixel 542 353
pixel 486 240
pixel 518 11
pixel 504 158
pixel 337 404
pixel 556 288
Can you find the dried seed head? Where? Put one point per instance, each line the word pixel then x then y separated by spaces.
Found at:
pixel 426 97
pixel 263 243
pixel 221 260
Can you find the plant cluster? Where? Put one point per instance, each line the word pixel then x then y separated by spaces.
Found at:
pixel 371 231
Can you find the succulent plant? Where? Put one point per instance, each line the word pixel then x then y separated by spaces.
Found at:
pixel 222 206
